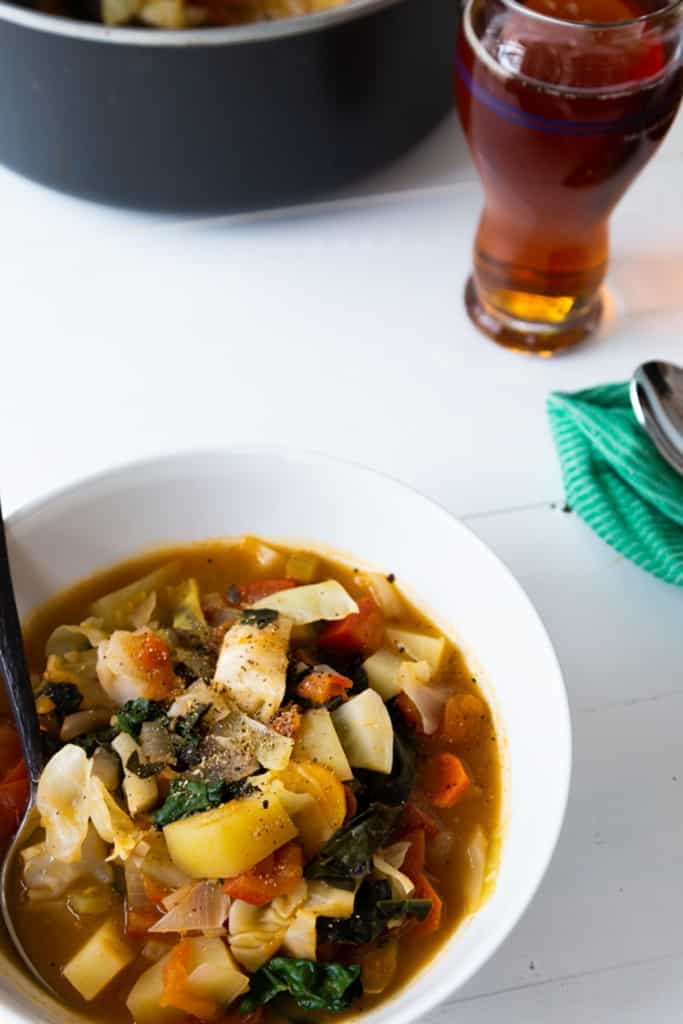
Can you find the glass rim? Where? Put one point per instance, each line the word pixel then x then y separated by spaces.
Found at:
pixel 590 26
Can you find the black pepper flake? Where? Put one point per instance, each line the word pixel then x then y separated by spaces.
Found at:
pixel 391 578
pixel 265 805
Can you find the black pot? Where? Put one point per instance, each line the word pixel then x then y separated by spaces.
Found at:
pixel 221 119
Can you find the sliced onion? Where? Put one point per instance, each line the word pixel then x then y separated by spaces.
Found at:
pixel 429 702
pixel 155 741
pixel 476 870
pixel 136 897
pixel 204 908
pixel 83 721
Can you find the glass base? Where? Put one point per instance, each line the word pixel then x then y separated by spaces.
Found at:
pixel 540 338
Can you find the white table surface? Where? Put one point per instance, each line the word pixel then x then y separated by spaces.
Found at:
pixel 340 327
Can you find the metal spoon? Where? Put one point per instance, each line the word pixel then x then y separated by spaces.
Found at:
pixel 20 692
pixel 657 399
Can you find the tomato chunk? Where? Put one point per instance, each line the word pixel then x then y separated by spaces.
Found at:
pixel 323 685
pixel 250 593
pixel 277 875
pixel 361 632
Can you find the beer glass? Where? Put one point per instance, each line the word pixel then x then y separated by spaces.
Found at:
pixel 562 103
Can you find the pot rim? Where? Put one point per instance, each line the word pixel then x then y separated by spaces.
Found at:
pixel 262 31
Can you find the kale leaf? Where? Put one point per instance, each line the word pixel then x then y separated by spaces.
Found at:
pixel 393 789
pixel 259 617
pixel 190 796
pixel 187 738
pixel 90 741
pixel 348 854
pixel 314 986
pixel 135 712
pixel 373 910
pixel 66 697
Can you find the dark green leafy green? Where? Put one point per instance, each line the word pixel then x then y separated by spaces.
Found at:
pixel 143 770
pixel 259 617
pixel 373 910
pixel 347 856
pixel 190 796
pixel 314 986
pixel 376 787
pixel 187 738
pixel 135 712
pixel 66 697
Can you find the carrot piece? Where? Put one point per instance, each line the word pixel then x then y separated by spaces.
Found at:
pixel 10 748
pixel 277 875
pixel 446 781
pixel 463 719
pixel 414 860
pixel 424 890
pixel 175 991
pixel 411 715
pixel 250 593
pixel 414 817
pixel 154 658
pixel 320 686
pixel 153 890
pixel 361 632
pixel 139 921
pixel 287 721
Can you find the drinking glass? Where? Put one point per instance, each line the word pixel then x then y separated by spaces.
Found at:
pixel 562 103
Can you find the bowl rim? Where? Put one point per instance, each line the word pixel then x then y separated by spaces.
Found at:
pixel 256 32
pixel 507 921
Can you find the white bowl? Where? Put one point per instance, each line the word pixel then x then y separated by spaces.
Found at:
pixel 468 591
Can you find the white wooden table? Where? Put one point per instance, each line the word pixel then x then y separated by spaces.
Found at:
pixel 340 327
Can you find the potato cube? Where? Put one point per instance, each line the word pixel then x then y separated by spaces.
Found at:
pixel 143 999
pixel 212 972
pixel 419 646
pixel 318 741
pixel 141 794
pixel 98 962
pixel 229 839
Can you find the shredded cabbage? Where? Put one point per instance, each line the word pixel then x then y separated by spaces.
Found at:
pixel 47 878
pixel 252 666
pixel 118 609
pixel 111 821
pixel 63 804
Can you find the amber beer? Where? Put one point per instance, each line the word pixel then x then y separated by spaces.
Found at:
pixel 560 116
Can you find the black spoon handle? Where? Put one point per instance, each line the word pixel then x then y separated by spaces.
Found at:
pixel 14 669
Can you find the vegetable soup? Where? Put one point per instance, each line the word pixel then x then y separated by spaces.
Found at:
pixel 272 787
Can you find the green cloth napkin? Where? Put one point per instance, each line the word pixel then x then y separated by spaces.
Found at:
pixel 617 481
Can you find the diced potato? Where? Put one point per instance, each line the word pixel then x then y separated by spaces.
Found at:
pixel 98 962
pixel 419 646
pixel 212 972
pixel 385 593
pixel 267 557
pixel 229 839
pixel 318 741
pixel 314 797
pixel 143 999
pixel 301 566
pixel 141 794
pixel 382 670
pixel 366 732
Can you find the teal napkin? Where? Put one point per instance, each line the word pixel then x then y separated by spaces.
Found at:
pixel 616 480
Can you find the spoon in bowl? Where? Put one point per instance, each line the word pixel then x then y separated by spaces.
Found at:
pixel 14 671
pixel 656 392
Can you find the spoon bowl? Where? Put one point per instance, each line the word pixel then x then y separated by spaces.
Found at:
pixel 14 670
pixel 656 392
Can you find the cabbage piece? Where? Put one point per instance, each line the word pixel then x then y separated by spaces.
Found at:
pixel 157 863
pixel 252 666
pixel 317 740
pixel 47 878
pixel 79 668
pixel 384 591
pixel 383 671
pixel 120 673
pixel 477 849
pixel 300 939
pixel 204 907
pixel 315 602
pixel 419 646
pixel 75 638
pixel 62 801
pixel 384 864
pixel 111 821
pixel 429 700
pixel 187 610
pixel 199 693
pixel 328 901
pixel 256 933
pixel 118 609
